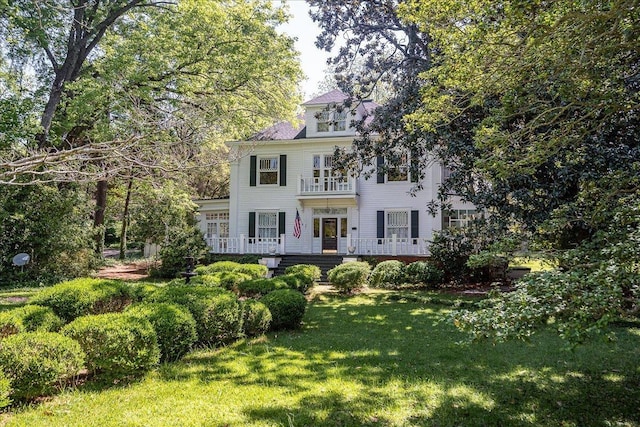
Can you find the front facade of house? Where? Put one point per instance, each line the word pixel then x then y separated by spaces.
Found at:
pixel 287 199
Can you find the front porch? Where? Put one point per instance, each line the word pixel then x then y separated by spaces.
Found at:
pixel 392 246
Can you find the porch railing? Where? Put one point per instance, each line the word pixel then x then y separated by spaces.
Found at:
pixel 247 245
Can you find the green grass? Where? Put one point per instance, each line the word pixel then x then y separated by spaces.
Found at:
pixel 12 298
pixel 374 360
pixel 534 263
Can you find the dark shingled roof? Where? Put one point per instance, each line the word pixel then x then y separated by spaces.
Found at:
pixel 281 131
pixel 335 95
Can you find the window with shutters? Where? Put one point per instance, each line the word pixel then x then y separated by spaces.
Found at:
pixel 268 170
pixel 397 222
pixel 399 170
pixel 267 225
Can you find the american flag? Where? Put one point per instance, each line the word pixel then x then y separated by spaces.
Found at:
pixel 297 226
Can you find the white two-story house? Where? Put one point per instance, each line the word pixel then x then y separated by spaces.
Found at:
pixel 286 197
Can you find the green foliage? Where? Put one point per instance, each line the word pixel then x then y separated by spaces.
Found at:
pixel 388 274
pixel 179 244
pixel 206 280
pixel 5 390
pixel 298 281
pixel 49 224
pixel 422 272
pixel 230 280
pixel 174 326
pixel 39 363
pixel 256 271
pixel 115 344
pixel 450 250
pixel 217 267
pixel 221 320
pixel 28 318
pixel 258 287
pixel 80 297
pixel 311 272
pixel 487 266
pixel 287 308
pixel 350 276
pixel 256 318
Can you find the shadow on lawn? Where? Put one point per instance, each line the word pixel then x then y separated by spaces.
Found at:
pixel 382 363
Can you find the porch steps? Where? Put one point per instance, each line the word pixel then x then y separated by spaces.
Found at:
pixel 325 262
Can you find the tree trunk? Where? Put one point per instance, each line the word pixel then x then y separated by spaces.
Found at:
pixel 98 217
pixel 125 221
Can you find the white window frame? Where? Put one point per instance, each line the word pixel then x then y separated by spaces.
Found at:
pixel 394 224
pixel 463 217
pixel 263 167
pixel 332 120
pixel 217 224
pixel 266 225
pixel 400 170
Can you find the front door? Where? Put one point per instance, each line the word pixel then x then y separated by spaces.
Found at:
pixel 330 235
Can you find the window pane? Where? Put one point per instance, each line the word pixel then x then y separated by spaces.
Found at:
pixel 268 178
pixel 316 227
pixel 343 227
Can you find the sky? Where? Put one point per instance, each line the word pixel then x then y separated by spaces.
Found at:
pixel 314 60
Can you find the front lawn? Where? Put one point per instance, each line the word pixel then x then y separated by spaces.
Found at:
pixel 372 359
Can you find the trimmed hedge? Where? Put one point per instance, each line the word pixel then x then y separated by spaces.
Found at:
pixel 349 276
pixel 5 390
pixel 39 363
pixel 255 271
pixel 198 299
pixel 388 274
pixel 256 318
pixel 311 272
pixel 231 279
pixel 287 308
pixel 211 280
pixel 222 320
pixel 116 344
pixel 174 325
pixel 81 297
pixel 258 287
pixel 29 318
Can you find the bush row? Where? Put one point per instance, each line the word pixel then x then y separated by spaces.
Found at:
pixel 390 274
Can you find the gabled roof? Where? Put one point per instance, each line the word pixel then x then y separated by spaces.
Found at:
pixel 281 131
pixel 335 96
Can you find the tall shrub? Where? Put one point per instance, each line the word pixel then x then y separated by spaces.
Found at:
pixel 388 274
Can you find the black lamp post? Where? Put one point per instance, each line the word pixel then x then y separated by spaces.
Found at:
pixel 188 273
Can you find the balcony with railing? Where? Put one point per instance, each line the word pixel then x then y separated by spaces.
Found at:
pixel 332 186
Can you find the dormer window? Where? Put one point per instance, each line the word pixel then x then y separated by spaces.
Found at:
pixel 333 119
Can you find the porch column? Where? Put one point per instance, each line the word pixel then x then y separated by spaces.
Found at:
pixel 394 244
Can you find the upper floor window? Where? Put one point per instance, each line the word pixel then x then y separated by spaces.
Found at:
pixel 332 120
pixel 268 170
pixel 400 170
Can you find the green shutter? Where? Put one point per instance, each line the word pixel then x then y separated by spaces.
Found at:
pixel 379 164
pixel 253 160
pixel 413 170
pixel 281 223
pixel 252 224
pixel 283 170
pixel 415 227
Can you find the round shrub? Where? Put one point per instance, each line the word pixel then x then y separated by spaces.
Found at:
pixel 80 297
pixel 116 344
pixel 231 279
pixel 256 318
pixel 29 318
pixel 258 287
pixel 256 271
pixel 311 272
pixel 294 281
pixel 425 273
pixel 388 274
pixel 287 308
pixel 221 321
pixel 205 280
pixel 39 363
pixel 5 390
pixel 174 326
pixel 217 267
pixel 349 276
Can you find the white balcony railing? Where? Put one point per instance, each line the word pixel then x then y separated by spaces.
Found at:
pixel 393 246
pixel 326 185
